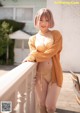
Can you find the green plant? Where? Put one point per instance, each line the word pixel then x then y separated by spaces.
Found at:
pixel 5 29
pixel 8 26
pixel 16 25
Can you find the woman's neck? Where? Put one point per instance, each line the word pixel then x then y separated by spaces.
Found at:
pixel 43 33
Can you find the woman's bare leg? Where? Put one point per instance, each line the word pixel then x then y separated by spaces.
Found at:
pixel 52 96
pixel 41 92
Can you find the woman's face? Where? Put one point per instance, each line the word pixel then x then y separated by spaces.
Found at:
pixel 43 24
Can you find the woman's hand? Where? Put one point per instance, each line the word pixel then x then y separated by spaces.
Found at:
pixel 29 59
pixel 25 60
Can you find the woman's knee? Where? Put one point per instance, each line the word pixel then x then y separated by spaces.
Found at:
pixel 50 108
pixel 42 103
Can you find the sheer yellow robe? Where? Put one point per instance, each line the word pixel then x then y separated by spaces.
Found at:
pixel 53 52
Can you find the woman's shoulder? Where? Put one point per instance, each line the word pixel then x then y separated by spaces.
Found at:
pixel 56 32
pixel 32 38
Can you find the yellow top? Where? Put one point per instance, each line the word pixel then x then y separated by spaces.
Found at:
pixel 43 42
pixel 52 52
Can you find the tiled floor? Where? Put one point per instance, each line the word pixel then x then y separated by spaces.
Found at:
pixel 67 102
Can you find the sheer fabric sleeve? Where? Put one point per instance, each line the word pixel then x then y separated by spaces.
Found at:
pixel 55 49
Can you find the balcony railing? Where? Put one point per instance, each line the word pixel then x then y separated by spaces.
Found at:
pixel 17 87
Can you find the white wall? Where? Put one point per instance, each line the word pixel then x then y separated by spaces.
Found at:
pixel 67 20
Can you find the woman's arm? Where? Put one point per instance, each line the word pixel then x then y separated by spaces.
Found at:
pixel 43 56
pixel 56 48
pixel 32 48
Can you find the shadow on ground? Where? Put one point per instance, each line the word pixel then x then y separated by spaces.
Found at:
pixel 65 111
pixel 7 67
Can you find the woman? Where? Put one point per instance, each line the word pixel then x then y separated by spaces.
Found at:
pixel 45 48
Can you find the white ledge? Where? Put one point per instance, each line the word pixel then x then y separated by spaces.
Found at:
pixel 8 81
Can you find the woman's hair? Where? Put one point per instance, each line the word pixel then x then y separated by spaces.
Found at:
pixel 44 12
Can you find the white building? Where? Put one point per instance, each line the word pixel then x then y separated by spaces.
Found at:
pixel 67 20
pixel 21 48
pixel 22 11
pixel 66 15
